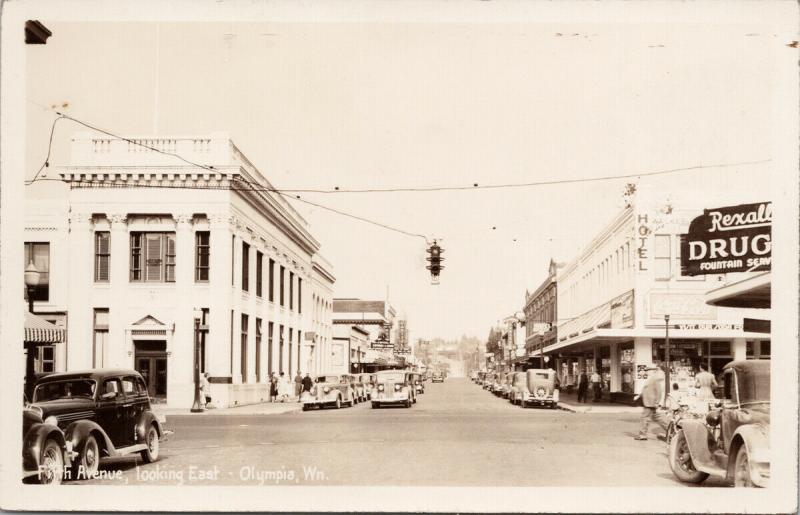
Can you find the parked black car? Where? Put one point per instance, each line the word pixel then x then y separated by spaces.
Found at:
pixel 102 413
pixel 45 452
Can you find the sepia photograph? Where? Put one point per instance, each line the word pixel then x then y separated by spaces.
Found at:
pixel 467 256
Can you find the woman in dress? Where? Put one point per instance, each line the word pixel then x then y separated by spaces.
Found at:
pixel 284 388
pixel 705 384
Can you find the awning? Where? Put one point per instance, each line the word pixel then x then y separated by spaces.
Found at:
pixel 752 292
pixel 39 330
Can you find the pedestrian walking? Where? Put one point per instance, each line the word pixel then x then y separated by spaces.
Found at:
pixel 273 388
pixel 597 388
pixel 705 384
pixel 652 395
pixel 205 390
pixel 583 386
pixel 284 388
pixel 298 384
pixel 307 383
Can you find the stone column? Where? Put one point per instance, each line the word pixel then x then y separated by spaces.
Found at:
pixel 643 355
pixel 739 349
pixel 581 366
pixel 81 314
pixel 180 369
pixel 119 280
pixel 218 357
pixel 616 375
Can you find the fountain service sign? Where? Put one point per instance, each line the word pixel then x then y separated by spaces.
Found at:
pixel 729 239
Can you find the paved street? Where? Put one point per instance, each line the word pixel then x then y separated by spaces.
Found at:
pixel 457 434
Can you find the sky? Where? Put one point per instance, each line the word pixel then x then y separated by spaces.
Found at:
pixel 378 105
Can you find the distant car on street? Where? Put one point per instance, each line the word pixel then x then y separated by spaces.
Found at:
pixel 102 413
pixel 437 377
pixel 733 441
pixel 330 390
pixel 358 388
pixel 368 381
pixel 419 383
pixel 393 387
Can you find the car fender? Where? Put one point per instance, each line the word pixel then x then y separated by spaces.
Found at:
pixel 755 438
pixel 34 440
pixel 697 434
pixel 145 419
pixel 77 432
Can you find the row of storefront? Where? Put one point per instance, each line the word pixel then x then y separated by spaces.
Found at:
pixel 641 282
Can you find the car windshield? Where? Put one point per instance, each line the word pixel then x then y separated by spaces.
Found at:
pixel 327 379
pixel 56 390
pixel 395 378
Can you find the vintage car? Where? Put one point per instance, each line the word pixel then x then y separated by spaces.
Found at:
pixel 103 413
pixel 499 384
pixel 541 386
pixel 487 380
pixel 732 442
pixel 418 382
pixel 505 386
pixel 393 387
pixel 368 381
pixel 358 388
pixel 332 390
pixel 45 451
pixel 437 377
pixel 518 388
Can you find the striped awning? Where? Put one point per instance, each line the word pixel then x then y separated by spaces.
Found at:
pixel 39 330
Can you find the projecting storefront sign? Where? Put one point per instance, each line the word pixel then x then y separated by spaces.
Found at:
pixel 729 239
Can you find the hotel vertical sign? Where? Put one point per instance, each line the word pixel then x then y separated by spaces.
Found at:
pixel 729 239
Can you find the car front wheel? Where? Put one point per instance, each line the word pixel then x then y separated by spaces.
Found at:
pixel 51 464
pixel 150 454
pixel 680 460
pixel 86 465
pixel 338 402
pixel 741 471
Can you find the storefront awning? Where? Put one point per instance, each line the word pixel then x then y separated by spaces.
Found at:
pixel 752 292
pixel 39 330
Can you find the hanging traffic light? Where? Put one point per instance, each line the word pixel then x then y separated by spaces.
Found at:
pixel 435 259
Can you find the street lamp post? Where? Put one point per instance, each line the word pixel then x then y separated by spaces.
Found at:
pixel 32 276
pixel 666 360
pixel 197 405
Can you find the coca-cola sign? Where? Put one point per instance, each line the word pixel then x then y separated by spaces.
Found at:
pixel 729 239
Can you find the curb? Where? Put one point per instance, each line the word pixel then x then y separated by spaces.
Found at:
pixel 237 411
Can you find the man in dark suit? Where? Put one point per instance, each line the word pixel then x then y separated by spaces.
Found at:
pixel 583 386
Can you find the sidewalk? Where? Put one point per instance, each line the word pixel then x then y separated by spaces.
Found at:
pixel 262 408
pixel 569 402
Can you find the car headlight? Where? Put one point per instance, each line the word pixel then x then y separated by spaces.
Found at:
pixel 380 387
pixel 52 420
pixel 397 387
pixel 327 389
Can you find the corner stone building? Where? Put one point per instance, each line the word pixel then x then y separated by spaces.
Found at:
pixel 143 273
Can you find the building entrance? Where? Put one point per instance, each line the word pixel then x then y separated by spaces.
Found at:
pixel 150 360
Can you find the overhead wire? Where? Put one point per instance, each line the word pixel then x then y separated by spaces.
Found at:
pixel 293 193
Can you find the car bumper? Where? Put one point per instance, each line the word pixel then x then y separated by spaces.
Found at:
pixel 385 399
pixel 540 402
pixel 314 401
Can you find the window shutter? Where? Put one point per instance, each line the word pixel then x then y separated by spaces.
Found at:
pixel 170 260
pixel 153 257
pixel 102 252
